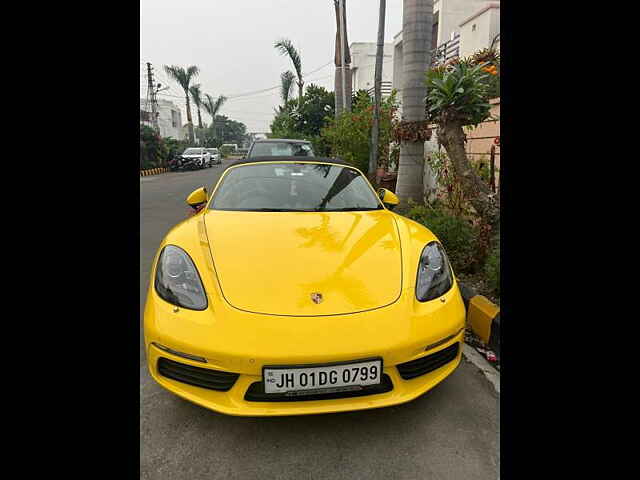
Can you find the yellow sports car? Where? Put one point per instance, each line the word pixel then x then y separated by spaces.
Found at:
pixel 295 290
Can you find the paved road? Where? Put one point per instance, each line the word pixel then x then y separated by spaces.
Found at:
pixel 451 432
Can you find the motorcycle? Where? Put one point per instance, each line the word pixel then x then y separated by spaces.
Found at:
pixel 181 163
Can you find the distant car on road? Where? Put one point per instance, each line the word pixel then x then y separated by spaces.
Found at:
pixel 278 147
pixel 199 156
pixel 216 158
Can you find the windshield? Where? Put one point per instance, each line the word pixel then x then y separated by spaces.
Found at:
pixel 287 187
pixel 212 150
pixel 281 149
pixel 193 151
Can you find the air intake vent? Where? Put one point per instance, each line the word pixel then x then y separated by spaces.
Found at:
pixel 427 364
pixel 199 377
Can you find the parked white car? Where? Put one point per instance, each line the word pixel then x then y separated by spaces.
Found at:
pixel 200 155
pixel 216 158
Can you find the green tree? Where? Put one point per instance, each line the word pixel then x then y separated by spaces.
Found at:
pixel 183 78
pixel 305 120
pixel 212 107
pixel 349 135
pixel 153 151
pixel 287 78
pixel 458 96
pixel 225 130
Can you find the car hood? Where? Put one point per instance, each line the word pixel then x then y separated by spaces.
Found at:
pixel 274 262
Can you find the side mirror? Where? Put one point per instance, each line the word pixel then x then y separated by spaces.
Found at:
pixel 198 198
pixel 389 198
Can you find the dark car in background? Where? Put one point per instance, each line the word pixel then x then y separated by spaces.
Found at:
pixel 280 147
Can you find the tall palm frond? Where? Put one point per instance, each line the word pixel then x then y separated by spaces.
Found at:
pixel 212 106
pixel 285 47
pixel 287 78
pixel 183 78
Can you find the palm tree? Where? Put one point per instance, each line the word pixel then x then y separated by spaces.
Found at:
pixel 417 19
pixel 287 78
pixel 196 95
pixel 212 107
pixel 338 62
pixel 183 78
pixel 285 47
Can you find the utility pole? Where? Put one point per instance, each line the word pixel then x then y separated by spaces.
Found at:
pixel 375 130
pixel 343 56
pixel 152 98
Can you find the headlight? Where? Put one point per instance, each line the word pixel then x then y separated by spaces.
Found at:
pixel 177 280
pixel 434 273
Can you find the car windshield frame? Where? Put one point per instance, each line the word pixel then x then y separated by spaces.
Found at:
pixel 339 184
pixel 252 154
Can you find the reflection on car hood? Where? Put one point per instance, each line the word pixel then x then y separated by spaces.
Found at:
pixel 273 262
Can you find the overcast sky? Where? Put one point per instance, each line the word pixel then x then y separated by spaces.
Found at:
pixel 232 43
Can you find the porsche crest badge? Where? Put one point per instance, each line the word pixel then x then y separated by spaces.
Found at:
pixel 316 297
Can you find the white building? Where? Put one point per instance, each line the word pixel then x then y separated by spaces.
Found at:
pixel 460 27
pixel 169 118
pixel 363 67
pixel 481 29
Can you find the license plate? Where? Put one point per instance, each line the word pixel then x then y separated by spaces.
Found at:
pixel 330 377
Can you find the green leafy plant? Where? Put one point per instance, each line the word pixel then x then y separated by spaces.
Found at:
pixel 305 119
pixel 492 269
pixel 456 235
pixel 459 92
pixel 449 193
pixel 153 151
pixel 458 95
pixel 349 135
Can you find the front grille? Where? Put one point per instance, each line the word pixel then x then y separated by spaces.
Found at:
pixel 427 364
pixel 199 377
pixel 256 393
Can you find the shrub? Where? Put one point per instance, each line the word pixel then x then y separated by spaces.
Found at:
pixel 492 269
pixel 458 236
pixel 349 136
pixel 153 151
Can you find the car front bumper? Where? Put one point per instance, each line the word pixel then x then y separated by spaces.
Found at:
pixel 233 402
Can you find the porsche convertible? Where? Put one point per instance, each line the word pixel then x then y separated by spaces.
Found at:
pixel 295 290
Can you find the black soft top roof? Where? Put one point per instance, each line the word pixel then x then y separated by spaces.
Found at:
pixel 288 158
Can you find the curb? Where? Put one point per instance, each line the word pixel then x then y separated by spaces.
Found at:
pixel 487 370
pixel 153 171
pixel 483 316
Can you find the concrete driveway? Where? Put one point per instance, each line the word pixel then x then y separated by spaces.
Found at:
pixel 451 432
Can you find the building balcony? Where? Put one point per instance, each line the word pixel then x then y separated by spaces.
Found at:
pixel 446 51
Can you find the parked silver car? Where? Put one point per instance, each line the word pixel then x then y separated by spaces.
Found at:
pixel 216 158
